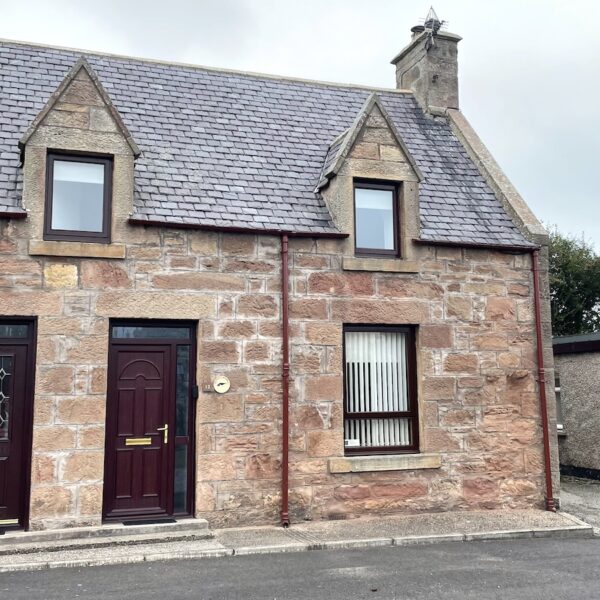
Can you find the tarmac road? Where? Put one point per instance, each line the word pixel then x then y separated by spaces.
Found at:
pixel 524 569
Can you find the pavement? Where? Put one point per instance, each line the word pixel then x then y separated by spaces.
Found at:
pixel 374 532
pixel 527 569
pixel 581 497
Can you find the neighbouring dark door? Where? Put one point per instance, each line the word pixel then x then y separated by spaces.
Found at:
pixel 17 373
pixel 149 421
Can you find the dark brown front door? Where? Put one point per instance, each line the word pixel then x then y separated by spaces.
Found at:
pixel 149 422
pixel 16 394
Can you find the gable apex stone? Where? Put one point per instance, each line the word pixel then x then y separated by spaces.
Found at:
pixel 342 145
pixel 81 82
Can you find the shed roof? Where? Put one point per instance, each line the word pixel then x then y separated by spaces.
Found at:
pixel 583 342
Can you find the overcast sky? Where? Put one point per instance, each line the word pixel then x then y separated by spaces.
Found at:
pixel 529 69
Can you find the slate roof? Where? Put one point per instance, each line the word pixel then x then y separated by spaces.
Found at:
pixel 332 156
pixel 237 150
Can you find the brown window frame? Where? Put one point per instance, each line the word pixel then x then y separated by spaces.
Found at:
pixel 368 184
pixel 65 235
pixel 412 413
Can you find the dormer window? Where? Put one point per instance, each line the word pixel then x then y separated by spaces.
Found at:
pixel 376 219
pixel 78 198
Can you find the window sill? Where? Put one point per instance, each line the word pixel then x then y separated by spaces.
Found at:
pixel 76 249
pixel 388 265
pixel 390 462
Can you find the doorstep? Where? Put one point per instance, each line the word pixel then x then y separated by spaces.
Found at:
pixel 110 534
pixel 319 535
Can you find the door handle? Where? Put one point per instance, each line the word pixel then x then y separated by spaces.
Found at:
pixel 165 431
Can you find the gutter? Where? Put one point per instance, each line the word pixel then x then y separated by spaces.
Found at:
pixel 226 229
pixel 285 379
pixel 541 378
pixel 477 245
pixel 12 215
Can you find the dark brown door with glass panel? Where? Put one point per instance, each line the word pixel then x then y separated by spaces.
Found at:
pixel 149 422
pixel 16 399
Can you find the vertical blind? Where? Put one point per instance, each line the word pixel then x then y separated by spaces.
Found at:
pixel 376 381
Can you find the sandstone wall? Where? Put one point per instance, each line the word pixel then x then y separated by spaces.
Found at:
pixel 478 404
pixel 477 394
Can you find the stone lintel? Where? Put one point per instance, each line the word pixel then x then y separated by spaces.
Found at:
pixel 76 249
pixel 396 462
pixel 387 265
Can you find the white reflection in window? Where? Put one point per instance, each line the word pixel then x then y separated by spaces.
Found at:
pixel 78 196
pixel 374 219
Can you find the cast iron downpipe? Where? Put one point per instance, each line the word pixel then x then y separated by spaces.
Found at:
pixel 535 268
pixel 285 379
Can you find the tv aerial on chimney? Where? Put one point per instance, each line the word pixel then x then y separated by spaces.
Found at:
pixel 432 25
pixel 432 22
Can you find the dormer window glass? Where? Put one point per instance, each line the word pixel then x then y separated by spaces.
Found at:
pixel 375 218
pixel 78 198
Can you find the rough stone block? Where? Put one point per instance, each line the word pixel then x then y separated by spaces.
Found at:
pixel 90 499
pixel 258 305
pixel 335 284
pixel 61 276
pixel 101 120
pixel 439 388
pixel 262 466
pixel 55 380
pixel 325 387
pixel 461 363
pixel 410 312
pixel 435 336
pixel 200 281
pixel 65 118
pixel 102 275
pixel 216 467
pixel 500 308
pixel 324 443
pixel 219 352
pixel 148 305
pixel 328 334
pixel 50 501
pixel 81 410
pixel 238 245
pixel 368 150
pixel 53 439
pixel 308 308
pixel 83 466
pixel 255 351
pixel 237 329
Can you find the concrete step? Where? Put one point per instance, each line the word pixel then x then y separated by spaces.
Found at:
pixel 21 542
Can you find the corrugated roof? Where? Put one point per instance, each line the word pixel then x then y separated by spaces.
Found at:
pixel 228 149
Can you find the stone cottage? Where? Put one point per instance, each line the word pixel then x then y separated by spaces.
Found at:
pixel 254 299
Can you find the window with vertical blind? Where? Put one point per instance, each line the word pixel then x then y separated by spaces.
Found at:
pixel 380 406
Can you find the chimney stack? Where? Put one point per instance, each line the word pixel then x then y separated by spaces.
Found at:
pixel 429 65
